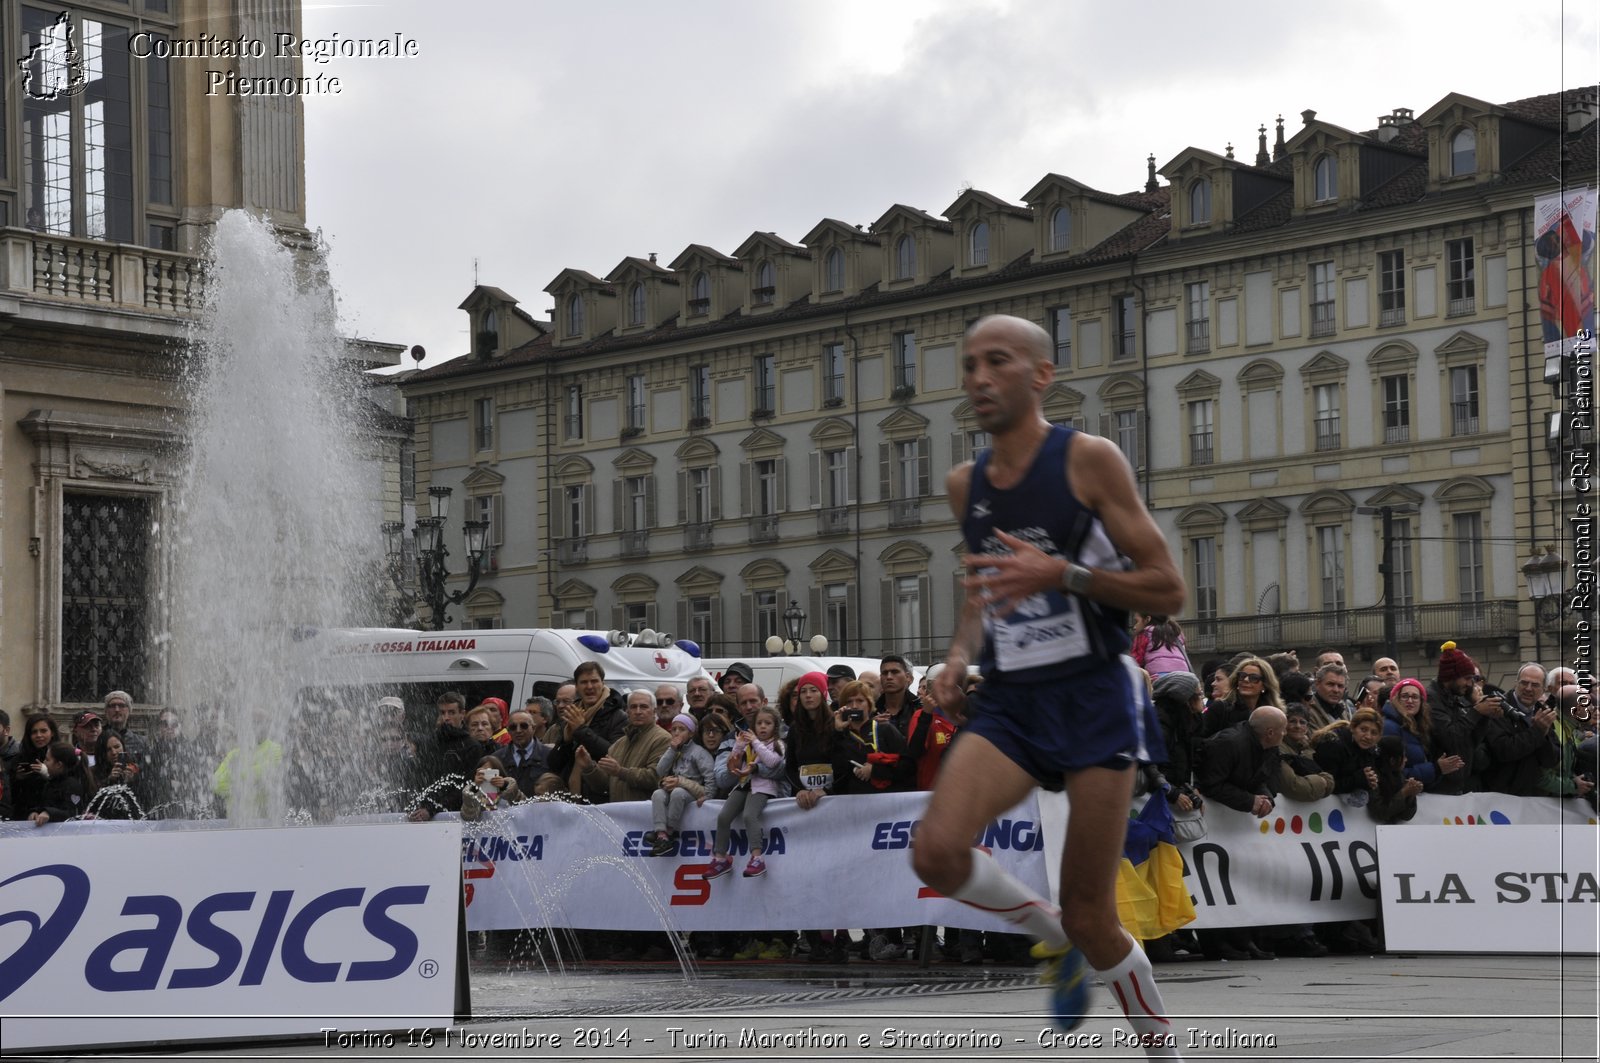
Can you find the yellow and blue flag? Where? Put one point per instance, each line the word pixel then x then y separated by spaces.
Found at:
pixel 1152 900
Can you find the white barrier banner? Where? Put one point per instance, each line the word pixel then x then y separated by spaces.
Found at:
pixel 113 937
pixel 1513 889
pixel 1315 863
pixel 845 862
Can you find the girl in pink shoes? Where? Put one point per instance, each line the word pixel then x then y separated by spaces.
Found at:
pixel 757 763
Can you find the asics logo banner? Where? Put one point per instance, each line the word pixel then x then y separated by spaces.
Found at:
pixel 45 937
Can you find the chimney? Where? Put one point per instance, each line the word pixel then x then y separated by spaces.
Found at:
pixel 1262 158
pixel 1389 124
pixel 1307 117
pixel 1279 150
pixel 1150 181
pixel 1230 149
pixel 652 258
pixel 1581 107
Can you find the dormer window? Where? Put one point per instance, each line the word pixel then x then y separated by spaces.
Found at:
pixel 1463 153
pixel 636 304
pixel 1060 229
pixel 700 295
pixel 833 270
pixel 574 315
pixel 978 244
pixel 1325 176
pixel 766 283
pixel 1200 202
pixel 488 333
pixel 905 258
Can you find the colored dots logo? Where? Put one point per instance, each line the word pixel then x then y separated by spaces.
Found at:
pixel 1312 823
pixel 1495 816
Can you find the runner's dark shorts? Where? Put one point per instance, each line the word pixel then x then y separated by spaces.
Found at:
pixel 1102 717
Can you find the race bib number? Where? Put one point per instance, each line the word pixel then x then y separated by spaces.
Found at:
pixel 816 776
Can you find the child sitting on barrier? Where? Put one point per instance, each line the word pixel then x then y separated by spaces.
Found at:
pixel 686 770
pixel 757 763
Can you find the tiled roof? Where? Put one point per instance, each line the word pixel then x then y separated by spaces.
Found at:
pixel 1560 159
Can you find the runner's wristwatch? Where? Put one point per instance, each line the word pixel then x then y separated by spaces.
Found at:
pixel 1075 579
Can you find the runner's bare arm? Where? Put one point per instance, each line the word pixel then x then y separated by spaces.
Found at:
pixel 1099 474
pixel 968 639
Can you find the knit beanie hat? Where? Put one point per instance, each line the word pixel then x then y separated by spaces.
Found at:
pixel 1454 663
pixel 814 679
pixel 1394 691
pixel 1177 686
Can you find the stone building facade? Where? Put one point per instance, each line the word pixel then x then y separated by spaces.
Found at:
pixel 1283 347
pixel 107 190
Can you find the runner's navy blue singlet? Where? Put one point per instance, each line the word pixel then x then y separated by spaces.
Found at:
pixel 1051 634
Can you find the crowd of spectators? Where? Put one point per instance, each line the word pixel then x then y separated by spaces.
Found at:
pixel 1243 733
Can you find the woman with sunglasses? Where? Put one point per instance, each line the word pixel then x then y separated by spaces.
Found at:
pixel 1251 684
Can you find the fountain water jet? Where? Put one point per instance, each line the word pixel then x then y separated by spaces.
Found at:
pixel 274 520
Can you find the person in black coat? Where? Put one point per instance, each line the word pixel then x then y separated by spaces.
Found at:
pixel 29 775
pixel 1521 748
pixel 1179 708
pixel 1239 766
pixel 447 759
pixel 526 757
pixel 587 713
pixel 67 790
pixel 1348 750
pixel 1459 714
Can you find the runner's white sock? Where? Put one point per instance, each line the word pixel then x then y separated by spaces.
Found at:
pixel 988 888
pixel 1133 984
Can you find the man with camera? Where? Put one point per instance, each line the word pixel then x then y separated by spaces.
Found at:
pixel 1520 747
pixel 1576 710
pixel 1459 711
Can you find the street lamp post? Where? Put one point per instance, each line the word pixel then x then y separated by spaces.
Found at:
pixel 1546 588
pixel 1386 567
pixel 433 575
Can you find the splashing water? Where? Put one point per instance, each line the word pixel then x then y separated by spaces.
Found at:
pixel 275 517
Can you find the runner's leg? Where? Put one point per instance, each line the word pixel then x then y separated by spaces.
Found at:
pixel 1097 823
pixel 976 783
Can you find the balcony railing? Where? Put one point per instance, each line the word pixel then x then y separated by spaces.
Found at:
pixel 105 274
pixel 636 544
pixel 1399 432
pixel 764 529
pixel 834 520
pixel 905 513
pixel 1463 418
pixel 1352 627
pixel 1322 318
pixel 697 536
pixel 1328 432
pixel 1200 448
pixel 1199 335
pixel 1391 315
pixel 1461 306
pixel 572 551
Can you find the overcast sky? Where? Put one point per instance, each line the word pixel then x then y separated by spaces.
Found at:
pixel 530 136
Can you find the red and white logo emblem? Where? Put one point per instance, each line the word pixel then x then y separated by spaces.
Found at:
pixel 662 662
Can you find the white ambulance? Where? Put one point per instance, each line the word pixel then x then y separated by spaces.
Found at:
pixel 772 672
pixel 354 667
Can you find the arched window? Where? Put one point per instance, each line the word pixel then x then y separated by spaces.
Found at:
pixel 699 295
pixel 1326 179
pixel 1060 229
pixel 636 304
pixel 1463 152
pixel 766 282
pixel 905 258
pixel 833 270
pixel 978 244
pixel 574 314
pixel 1200 202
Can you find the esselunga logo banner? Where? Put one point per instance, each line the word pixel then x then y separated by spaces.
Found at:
pixel 228 933
pixel 846 862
